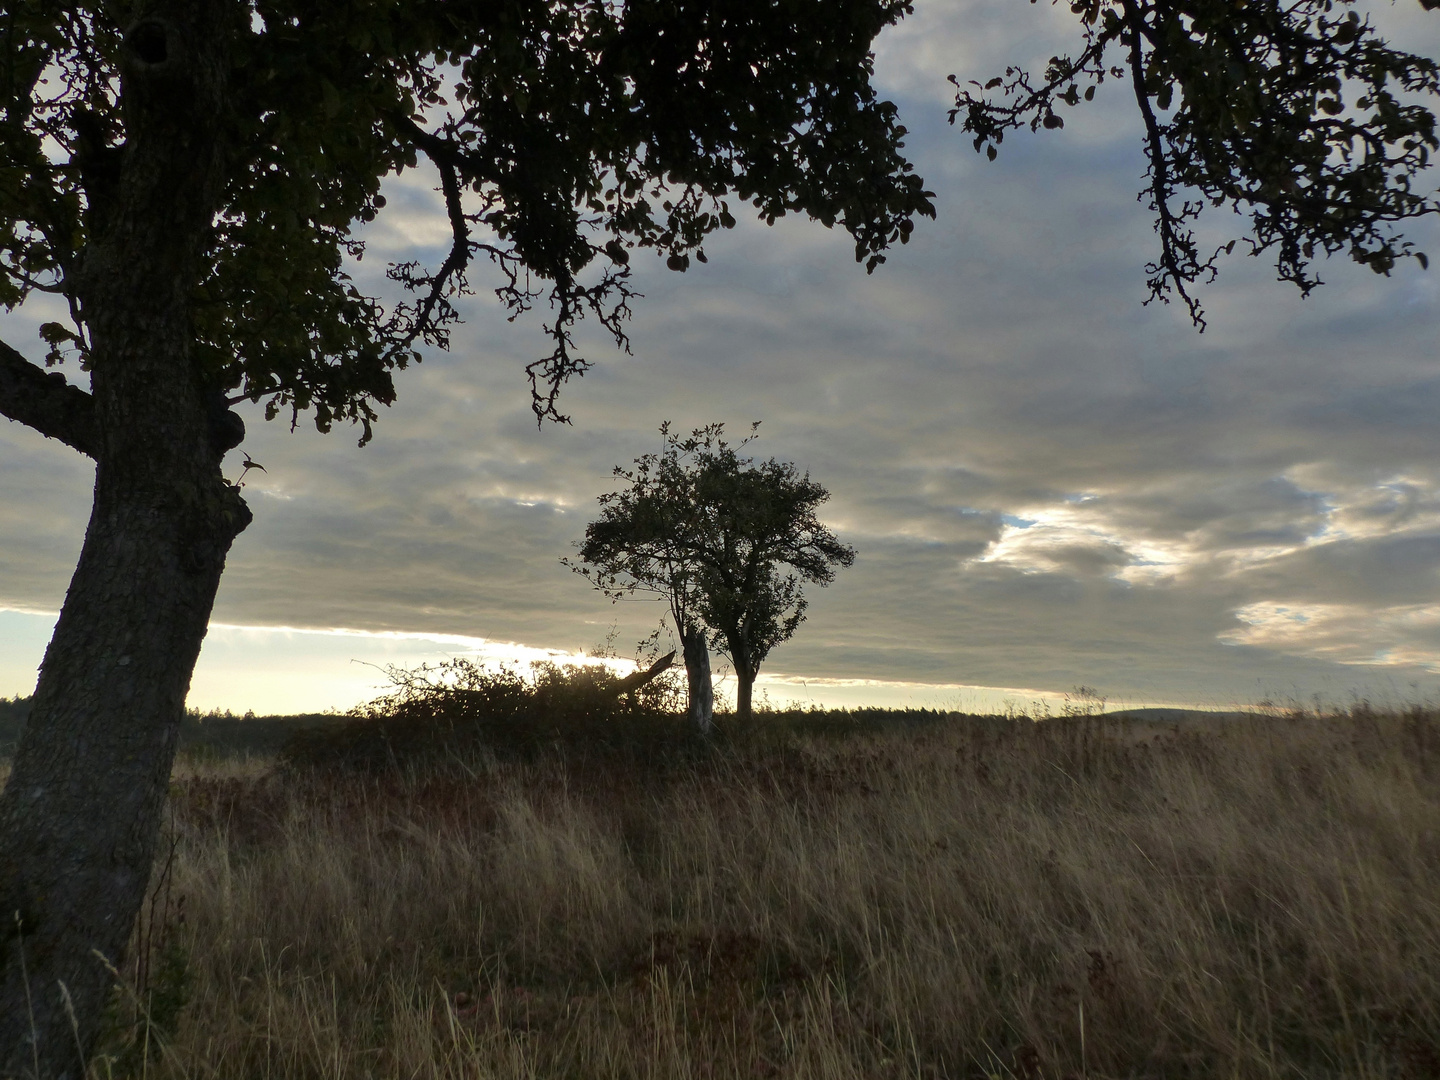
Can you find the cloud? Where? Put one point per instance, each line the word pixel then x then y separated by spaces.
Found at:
pixel 1404 636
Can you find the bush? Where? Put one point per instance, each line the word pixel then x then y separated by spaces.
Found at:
pixel 452 709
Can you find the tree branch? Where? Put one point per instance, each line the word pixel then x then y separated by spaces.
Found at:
pixel 443 151
pixel 1175 246
pixel 633 682
pixel 44 401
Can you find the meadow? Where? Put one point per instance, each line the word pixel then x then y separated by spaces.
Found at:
pixel 826 896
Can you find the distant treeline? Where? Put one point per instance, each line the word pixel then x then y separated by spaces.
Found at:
pixel 216 733
pixel 564 705
pixel 13 712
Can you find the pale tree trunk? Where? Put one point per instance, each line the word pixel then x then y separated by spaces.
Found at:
pixel 701 701
pixel 80 814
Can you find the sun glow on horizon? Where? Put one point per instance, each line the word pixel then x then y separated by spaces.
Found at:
pixel 289 670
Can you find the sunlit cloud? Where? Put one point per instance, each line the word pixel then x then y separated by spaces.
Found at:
pixel 501 651
pixel 1407 636
pixel 1079 536
pixel 1400 503
pixel 20 609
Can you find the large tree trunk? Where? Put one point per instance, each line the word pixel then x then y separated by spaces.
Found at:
pixel 700 710
pixel 80 814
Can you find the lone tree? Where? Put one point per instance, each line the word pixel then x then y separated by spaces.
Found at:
pixel 182 177
pixel 727 542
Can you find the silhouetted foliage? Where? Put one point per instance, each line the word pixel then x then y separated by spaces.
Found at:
pixel 1295 113
pixel 452 709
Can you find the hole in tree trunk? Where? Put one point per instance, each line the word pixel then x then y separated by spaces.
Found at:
pixel 147 41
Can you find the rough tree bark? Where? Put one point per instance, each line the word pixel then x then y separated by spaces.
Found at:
pixel 701 708
pixel 80 814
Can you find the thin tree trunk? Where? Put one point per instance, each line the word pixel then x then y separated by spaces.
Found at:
pixel 746 667
pixel 736 639
pixel 701 702
pixel 81 812
pixel 744 682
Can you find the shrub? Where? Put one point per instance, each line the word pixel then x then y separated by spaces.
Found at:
pixel 452 709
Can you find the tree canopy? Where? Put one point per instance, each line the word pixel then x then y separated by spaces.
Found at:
pixel 721 538
pixel 565 135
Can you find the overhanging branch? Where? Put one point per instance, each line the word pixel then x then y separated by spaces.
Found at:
pixel 44 401
pixel 1178 263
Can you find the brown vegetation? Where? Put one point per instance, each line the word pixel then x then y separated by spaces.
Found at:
pixel 1079 897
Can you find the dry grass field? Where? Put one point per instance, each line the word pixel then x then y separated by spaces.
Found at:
pixel 1079 897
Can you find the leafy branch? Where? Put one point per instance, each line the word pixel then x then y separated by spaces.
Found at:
pixel 1297 114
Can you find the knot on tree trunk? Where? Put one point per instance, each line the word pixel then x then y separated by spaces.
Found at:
pixel 227 427
pixel 148 41
pixel 205 543
pixel 233 515
pixel 172 61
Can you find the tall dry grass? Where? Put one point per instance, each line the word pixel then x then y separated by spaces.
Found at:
pixel 1080 897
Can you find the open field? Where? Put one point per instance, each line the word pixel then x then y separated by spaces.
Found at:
pixel 1082 897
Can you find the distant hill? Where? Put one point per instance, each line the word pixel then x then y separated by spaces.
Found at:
pixel 1176 716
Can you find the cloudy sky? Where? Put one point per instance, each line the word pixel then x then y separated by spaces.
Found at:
pixel 1048 484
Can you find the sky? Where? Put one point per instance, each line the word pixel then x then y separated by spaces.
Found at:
pixel 1049 485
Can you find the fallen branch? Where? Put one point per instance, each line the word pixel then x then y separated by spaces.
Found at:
pixel 634 682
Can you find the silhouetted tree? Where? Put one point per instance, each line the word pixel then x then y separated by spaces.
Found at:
pixel 726 541
pixel 183 176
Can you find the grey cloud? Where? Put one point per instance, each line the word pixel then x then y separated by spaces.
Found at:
pixel 1378 572
pixel 1413 406
pixel 1222 513
pixel 45 490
